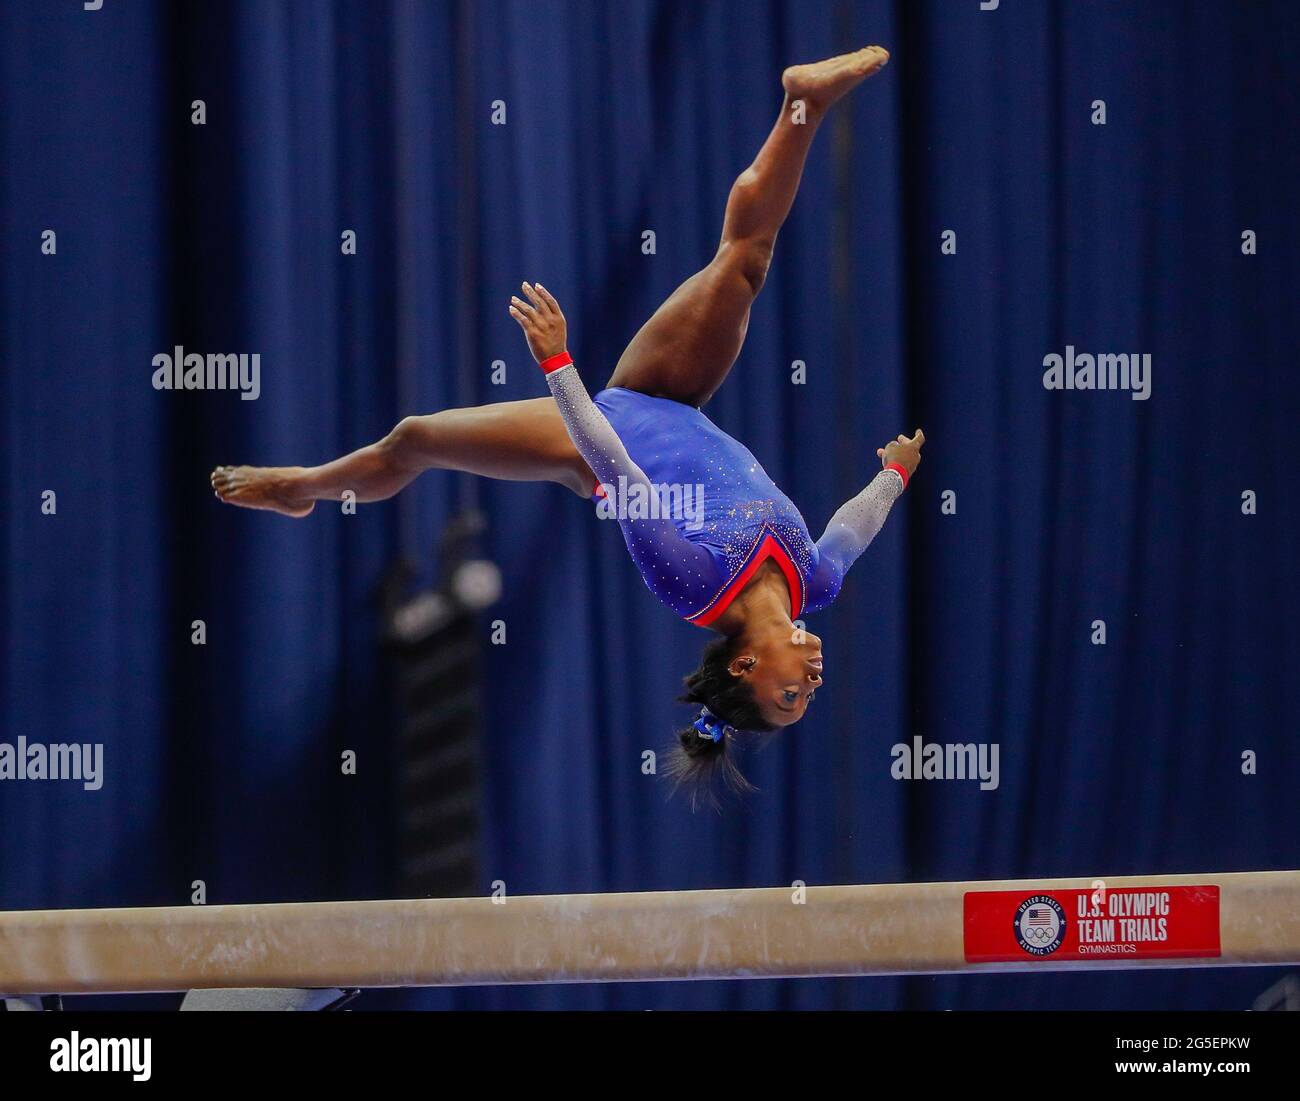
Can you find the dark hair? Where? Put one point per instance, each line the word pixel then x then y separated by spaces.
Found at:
pixel 696 760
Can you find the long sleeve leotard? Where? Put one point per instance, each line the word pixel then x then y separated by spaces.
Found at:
pixel 730 516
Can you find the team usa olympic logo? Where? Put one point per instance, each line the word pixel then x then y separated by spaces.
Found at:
pixel 1040 925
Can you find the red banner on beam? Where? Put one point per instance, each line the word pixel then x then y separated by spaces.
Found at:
pixel 1094 923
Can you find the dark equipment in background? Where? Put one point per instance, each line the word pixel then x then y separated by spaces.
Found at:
pixel 436 636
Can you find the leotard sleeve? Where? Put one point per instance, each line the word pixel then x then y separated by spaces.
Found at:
pixel 850 531
pixel 679 572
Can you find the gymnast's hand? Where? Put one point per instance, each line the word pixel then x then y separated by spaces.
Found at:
pixel 542 322
pixel 906 453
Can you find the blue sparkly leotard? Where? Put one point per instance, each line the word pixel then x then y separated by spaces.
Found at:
pixel 698 512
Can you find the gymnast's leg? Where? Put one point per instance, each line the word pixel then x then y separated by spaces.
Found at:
pixel 686 349
pixel 523 441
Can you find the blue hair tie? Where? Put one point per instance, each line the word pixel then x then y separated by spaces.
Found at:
pixel 708 725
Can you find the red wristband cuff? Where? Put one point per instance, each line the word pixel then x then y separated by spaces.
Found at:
pixel 555 362
pixel 900 469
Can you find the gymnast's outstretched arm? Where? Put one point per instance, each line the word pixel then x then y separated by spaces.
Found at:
pixel 857 522
pixel 653 541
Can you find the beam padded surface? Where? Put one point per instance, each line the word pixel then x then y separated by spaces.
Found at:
pixel 903 928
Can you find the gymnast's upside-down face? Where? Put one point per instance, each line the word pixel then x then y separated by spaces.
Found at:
pixel 785 670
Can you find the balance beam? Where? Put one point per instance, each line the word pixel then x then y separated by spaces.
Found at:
pixel 1210 920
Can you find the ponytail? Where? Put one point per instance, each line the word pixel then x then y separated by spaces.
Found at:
pixel 707 748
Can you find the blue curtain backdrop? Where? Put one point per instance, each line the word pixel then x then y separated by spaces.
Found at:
pixel 222 761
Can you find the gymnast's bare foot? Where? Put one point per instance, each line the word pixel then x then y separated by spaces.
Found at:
pixel 268 487
pixel 823 82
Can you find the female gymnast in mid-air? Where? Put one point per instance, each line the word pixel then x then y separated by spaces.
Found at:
pixel 751 569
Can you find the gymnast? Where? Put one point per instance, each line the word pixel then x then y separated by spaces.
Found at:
pixel 751 568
